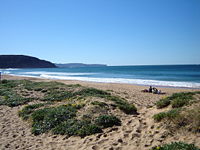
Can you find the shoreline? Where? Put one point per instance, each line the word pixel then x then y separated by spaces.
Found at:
pixel 139 85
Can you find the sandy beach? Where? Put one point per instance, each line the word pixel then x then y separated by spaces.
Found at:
pixel 137 132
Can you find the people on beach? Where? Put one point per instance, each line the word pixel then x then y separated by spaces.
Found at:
pixel 152 90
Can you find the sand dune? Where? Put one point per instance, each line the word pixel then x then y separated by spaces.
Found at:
pixel 137 132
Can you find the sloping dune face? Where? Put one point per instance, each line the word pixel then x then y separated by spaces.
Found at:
pixel 103 116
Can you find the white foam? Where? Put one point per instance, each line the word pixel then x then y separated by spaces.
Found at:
pixel 5 72
pixel 58 73
pixel 129 81
pixel 10 69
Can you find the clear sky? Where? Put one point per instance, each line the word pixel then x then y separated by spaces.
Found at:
pixel 113 32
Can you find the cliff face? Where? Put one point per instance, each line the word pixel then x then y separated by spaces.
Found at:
pixel 22 61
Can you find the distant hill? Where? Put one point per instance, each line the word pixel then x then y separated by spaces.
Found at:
pixel 76 65
pixel 22 61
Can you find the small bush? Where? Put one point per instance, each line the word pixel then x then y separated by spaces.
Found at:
pixel 163 103
pixel 101 104
pixel 169 116
pixel 92 92
pixel 105 121
pixel 4 81
pixel 123 105
pixel 26 112
pixel 76 127
pixel 47 118
pixel 178 102
pixel 160 116
pixel 57 95
pixel 176 146
pixel 15 101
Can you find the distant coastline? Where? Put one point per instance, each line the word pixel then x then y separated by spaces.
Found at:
pixel 77 65
pixel 23 61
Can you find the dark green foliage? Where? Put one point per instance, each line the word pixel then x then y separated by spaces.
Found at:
pixel 123 105
pixel 181 99
pixel 170 115
pixel 57 95
pixel 92 92
pixel 176 146
pixel 76 127
pixel 47 118
pixel 105 121
pixel 163 103
pixel 29 109
pixel 160 116
pixel 177 100
pixel 38 86
pixel 4 81
pixel 60 119
pixel 11 98
pixel 16 101
pixel 55 91
pixel 101 104
pixel 9 83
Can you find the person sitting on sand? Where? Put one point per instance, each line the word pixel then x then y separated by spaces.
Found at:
pixel 150 89
pixel 155 90
pixel 159 92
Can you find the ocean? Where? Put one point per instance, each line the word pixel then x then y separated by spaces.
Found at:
pixel 186 76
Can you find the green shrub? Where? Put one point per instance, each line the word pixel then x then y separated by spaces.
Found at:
pixel 101 104
pixel 105 121
pixel 127 108
pixel 29 109
pixel 4 81
pixel 47 118
pixel 92 92
pixel 10 96
pixel 57 95
pixel 178 102
pixel 170 115
pixel 76 127
pixel 183 95
pixel 123 105
pixel 176 146
pixel 15 101
pixel 163 103
pixel 160 116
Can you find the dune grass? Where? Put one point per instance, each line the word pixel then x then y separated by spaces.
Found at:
pixel 47 116
pixel 105 121
pixel 55 91
pixel 176 146
pixel 184 113
pixel 177 100
pixel 170 115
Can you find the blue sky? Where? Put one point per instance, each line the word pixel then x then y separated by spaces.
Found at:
pixel 113 32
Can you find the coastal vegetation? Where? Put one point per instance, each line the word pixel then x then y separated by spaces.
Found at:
pixel 71 110
pixel 176 146
pixel 184 112
pixel 177 100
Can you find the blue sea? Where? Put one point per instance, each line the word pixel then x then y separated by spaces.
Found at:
pixel 186 76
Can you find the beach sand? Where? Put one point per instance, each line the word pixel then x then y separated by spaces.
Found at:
pixel 137 132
